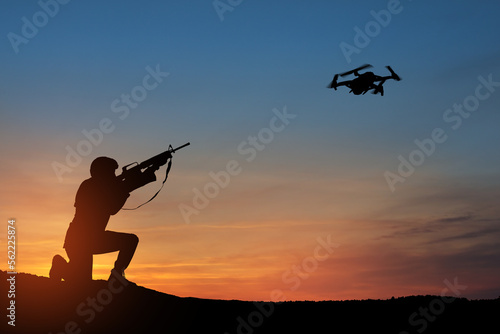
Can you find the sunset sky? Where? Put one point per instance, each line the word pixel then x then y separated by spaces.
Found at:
pixel 289 190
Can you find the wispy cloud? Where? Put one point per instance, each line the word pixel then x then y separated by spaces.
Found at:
pixel 454 219
pixel 488 233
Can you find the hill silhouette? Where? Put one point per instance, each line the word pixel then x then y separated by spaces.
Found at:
pixel 45 306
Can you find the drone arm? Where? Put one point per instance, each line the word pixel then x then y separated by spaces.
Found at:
pixel 383 79
pixel 342 83
pixel 393 74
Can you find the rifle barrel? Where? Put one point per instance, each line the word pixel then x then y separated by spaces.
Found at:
pixel 178 148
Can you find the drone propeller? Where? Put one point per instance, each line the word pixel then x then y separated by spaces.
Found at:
pixel 355 70
pixel 394 75
pixel 333 84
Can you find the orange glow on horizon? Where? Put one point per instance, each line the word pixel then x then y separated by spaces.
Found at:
pixel 231 252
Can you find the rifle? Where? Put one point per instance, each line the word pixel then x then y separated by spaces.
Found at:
pixel 141 174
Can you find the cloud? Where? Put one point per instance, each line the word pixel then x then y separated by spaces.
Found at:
pixel 476 234
pixel 454 219
pixel 455 230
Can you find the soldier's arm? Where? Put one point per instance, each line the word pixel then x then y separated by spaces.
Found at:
pixel 118 199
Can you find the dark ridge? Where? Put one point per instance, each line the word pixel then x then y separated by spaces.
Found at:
pixel 44 306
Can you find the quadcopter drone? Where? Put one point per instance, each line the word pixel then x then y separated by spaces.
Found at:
pixel 364 81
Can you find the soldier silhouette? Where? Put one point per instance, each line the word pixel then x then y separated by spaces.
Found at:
pixel 97 199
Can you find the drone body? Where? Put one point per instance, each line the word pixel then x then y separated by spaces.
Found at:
pixel 364 81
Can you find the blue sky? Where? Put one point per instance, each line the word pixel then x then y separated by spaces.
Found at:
pixel 224 79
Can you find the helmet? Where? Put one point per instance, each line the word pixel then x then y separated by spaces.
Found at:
pixel 103 166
